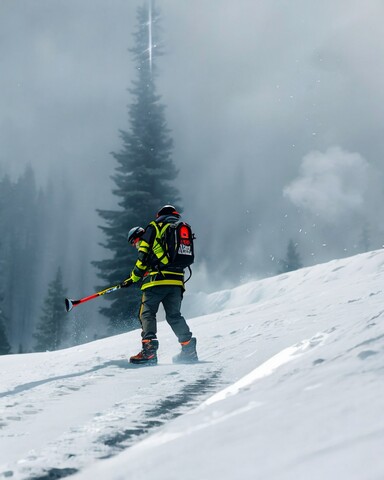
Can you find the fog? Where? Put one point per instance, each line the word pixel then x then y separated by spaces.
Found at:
pixel 275 110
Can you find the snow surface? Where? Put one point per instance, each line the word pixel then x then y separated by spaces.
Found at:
pixel 290 387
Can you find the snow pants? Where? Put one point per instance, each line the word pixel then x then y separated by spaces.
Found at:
pixel 170 296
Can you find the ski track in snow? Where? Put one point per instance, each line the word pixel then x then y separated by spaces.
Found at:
pixel 121 419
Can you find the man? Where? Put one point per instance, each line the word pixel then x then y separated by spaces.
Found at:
pixel 161 284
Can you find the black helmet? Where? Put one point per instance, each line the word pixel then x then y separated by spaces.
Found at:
pixel 167 210
pixel 134 233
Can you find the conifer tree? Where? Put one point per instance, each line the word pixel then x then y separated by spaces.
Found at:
pixel 5 189
pixel 5 348
pixel 292 260
pixel 6 203
pixel 25 261
pixel 51 330
pixel 364 242
pixel 143 176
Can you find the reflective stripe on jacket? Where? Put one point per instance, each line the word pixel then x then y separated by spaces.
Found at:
pixel 154 279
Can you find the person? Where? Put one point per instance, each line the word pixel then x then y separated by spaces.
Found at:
pixel 161 284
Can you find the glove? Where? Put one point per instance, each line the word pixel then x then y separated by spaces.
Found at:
pixel 127 283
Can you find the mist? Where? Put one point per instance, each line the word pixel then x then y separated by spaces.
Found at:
pixel 275 110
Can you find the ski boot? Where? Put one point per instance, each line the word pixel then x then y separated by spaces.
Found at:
pixel 188 352
pixel 148 354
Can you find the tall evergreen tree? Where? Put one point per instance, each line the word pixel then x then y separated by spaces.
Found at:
pixel 292 260
pixel 364 242
pixel 25 262
pixel 5 348
pixel 51 330
pixel 6 215
pixel 144 175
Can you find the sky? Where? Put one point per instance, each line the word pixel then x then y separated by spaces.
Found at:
pixel 274 108
pixel 289 387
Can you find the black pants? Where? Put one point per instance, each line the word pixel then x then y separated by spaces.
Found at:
pixel 170 296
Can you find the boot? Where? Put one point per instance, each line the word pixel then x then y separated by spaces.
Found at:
pixel 188 352
pixel 148 353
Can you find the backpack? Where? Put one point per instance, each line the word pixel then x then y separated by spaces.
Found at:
pixel 178 244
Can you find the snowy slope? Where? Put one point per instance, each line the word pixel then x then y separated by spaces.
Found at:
pixel 291 387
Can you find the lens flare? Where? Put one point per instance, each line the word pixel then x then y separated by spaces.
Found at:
pixel 150 35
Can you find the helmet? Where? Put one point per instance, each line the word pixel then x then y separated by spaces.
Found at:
pixel 167 210
pixel 135 233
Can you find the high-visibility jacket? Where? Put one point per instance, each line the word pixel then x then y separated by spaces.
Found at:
pixel 151 264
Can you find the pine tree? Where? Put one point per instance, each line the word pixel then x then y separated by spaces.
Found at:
pixel 292 260
pixel 143 176
pixel 6 264
pixel 5 189
pixel 364 242
pixel 5 348
pixel 51 330
pixel 25 262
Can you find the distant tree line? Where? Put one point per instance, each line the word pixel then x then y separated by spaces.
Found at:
pixel 21 206
pixel 31 251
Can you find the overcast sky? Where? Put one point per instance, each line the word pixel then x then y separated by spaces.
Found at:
pixel 275 107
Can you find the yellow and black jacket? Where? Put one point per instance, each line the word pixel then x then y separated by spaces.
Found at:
pixel 151 265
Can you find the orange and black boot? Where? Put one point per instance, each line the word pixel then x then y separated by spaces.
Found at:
pixel 188 352
pixel 148 353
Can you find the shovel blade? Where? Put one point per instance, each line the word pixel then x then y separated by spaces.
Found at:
pixel 68 304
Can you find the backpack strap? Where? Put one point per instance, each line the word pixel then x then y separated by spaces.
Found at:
pixel 158 246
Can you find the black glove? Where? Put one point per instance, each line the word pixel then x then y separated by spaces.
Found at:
pixel 127 283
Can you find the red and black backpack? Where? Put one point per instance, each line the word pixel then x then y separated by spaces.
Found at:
pixel 178 244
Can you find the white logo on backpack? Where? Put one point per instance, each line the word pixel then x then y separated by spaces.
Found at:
pixel 184 249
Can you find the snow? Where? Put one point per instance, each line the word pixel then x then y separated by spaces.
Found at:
pixel 290 387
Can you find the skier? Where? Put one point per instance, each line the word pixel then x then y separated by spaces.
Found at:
pixel 160 285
